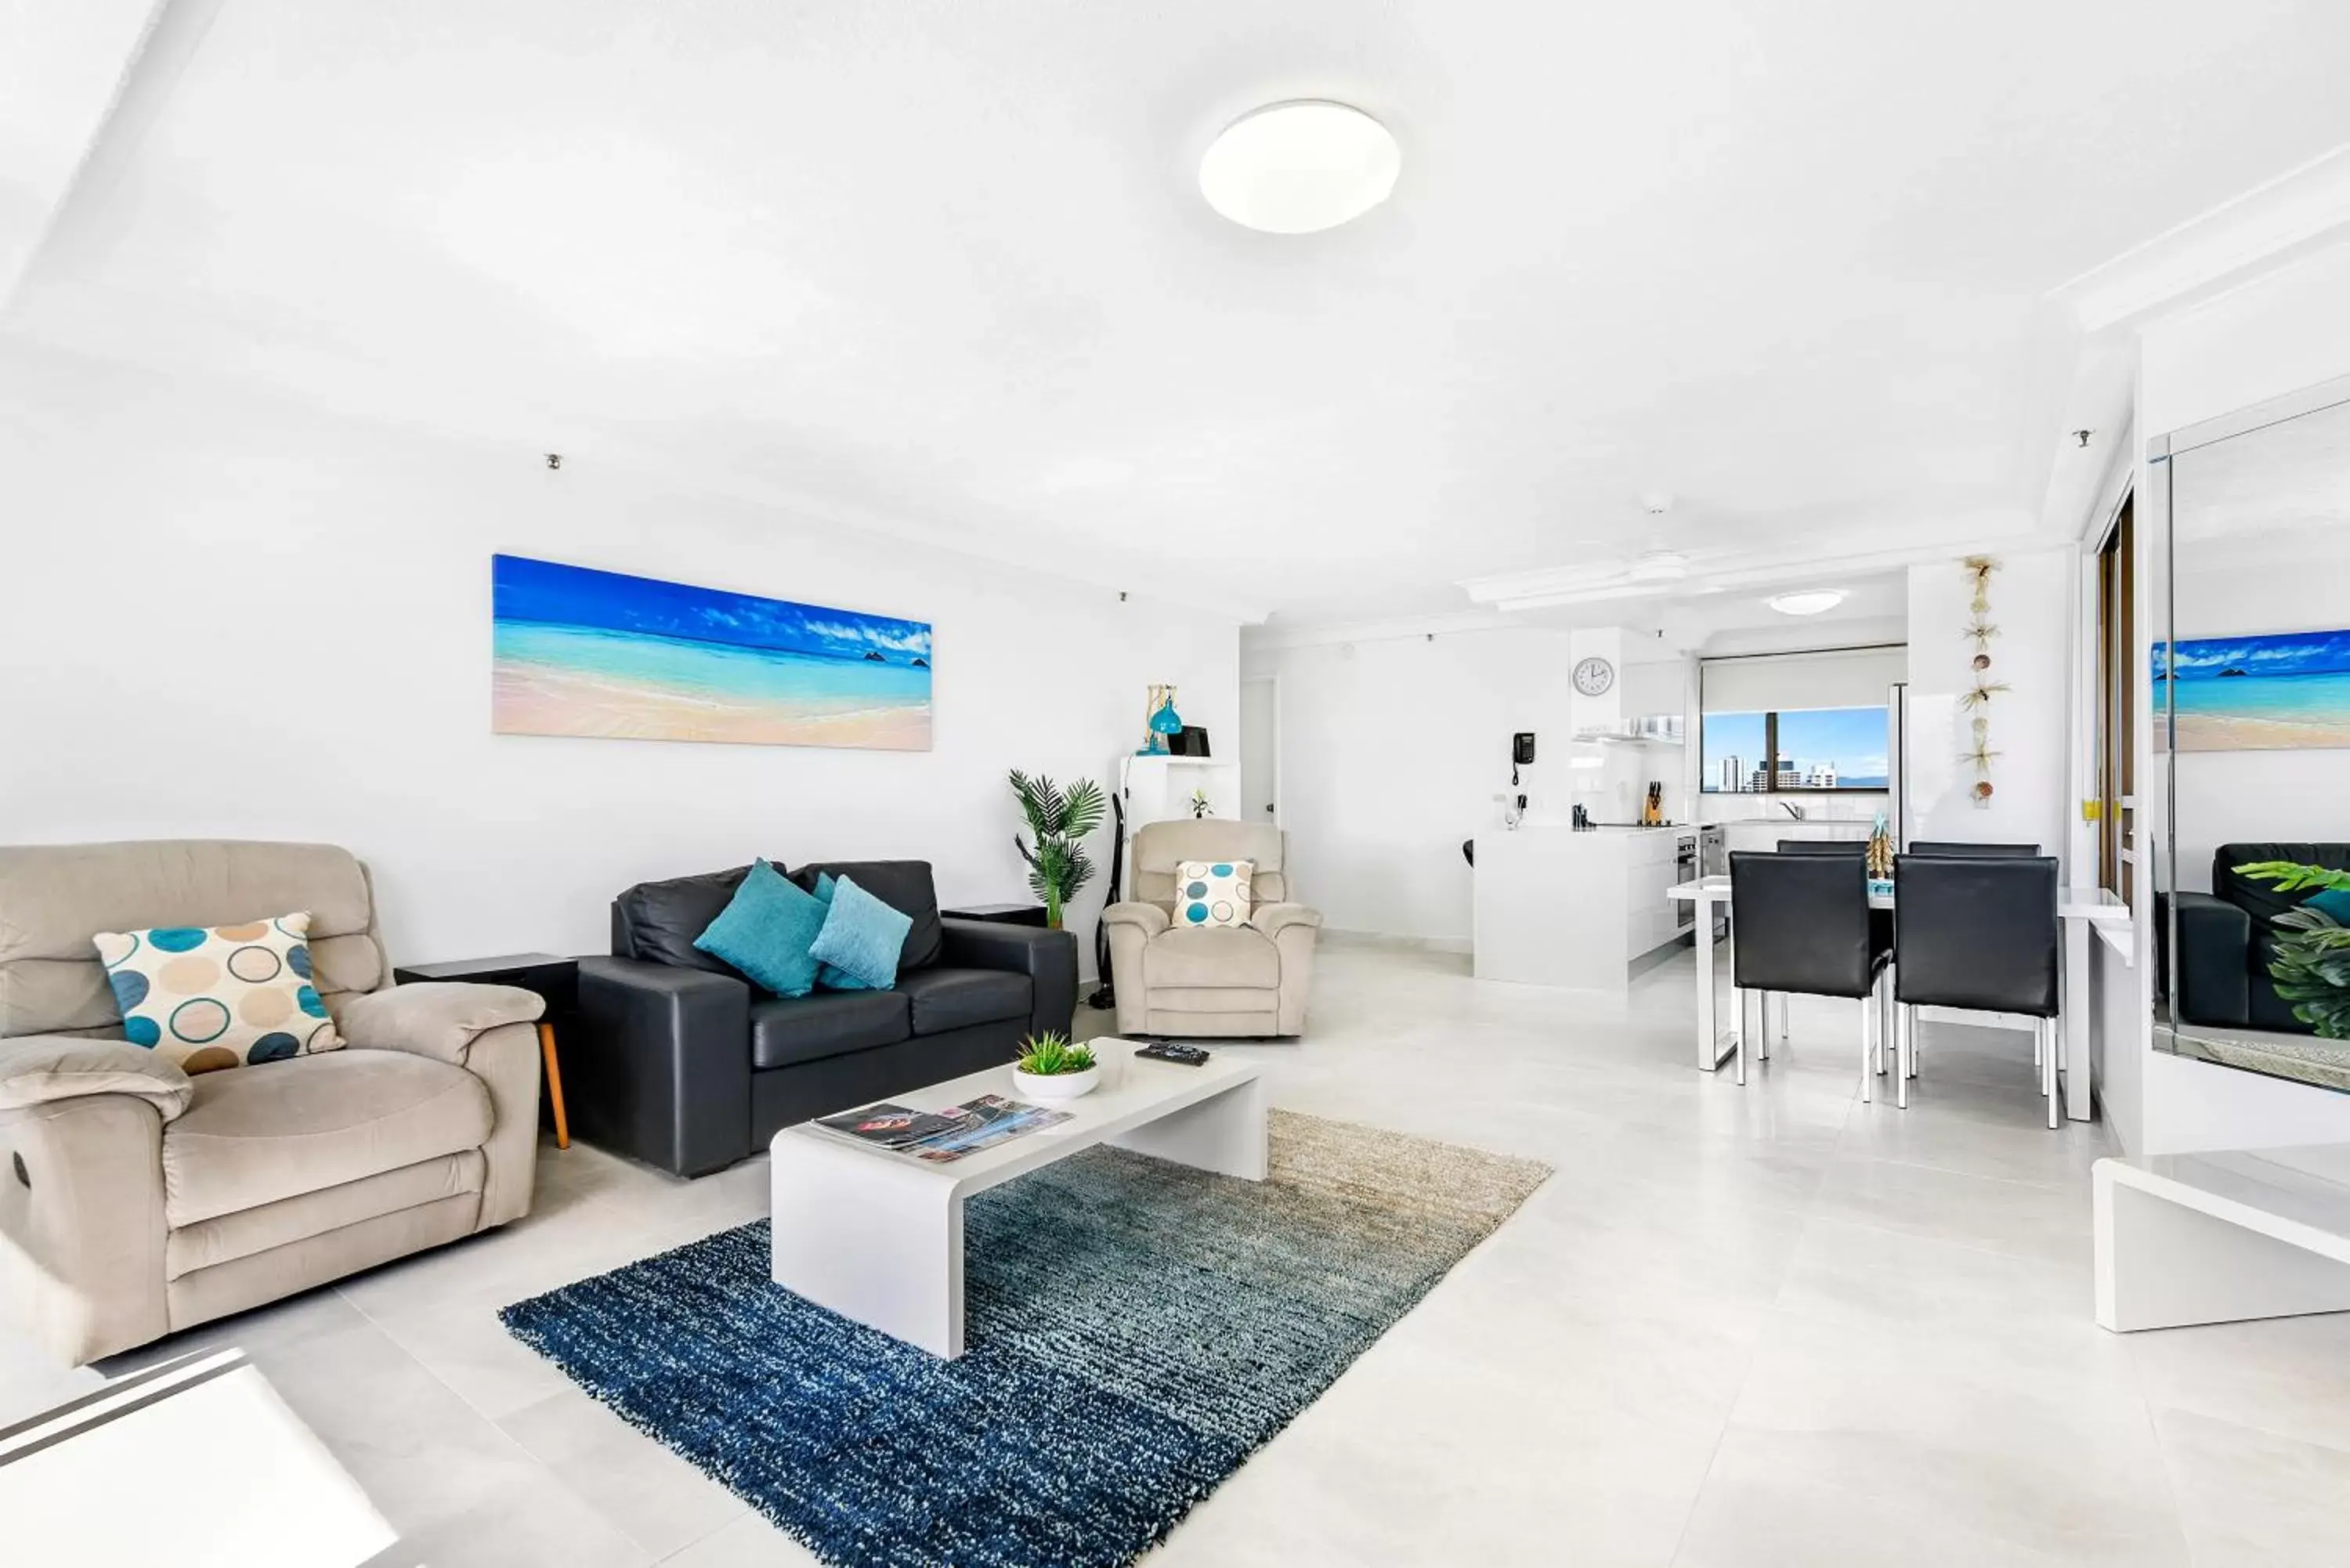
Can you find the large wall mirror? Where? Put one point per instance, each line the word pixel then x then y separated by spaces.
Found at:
pixel 2250 684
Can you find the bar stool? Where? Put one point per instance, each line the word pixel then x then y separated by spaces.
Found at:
pixel 1802 929
pixel 1978 933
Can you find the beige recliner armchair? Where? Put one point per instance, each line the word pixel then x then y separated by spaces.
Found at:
pixel 1248 980
pixel 136 1200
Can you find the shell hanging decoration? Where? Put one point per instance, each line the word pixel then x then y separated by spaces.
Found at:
pixel 1977 701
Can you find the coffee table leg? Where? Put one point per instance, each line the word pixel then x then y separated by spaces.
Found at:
pixel 871 1240
pixel 1224 1134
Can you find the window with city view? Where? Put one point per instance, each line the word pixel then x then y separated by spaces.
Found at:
pixel 1794 750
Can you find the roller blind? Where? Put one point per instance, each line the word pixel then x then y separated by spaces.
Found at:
pixel 1785 682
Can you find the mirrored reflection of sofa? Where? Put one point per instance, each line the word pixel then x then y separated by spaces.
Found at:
pixel 2226 939
pixel 137 1200
pixel 1211 981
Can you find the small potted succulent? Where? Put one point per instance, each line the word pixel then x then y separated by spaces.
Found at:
pixel 1049 1067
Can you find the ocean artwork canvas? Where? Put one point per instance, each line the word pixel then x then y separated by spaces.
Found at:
pixel 583 652
pixel 2274 692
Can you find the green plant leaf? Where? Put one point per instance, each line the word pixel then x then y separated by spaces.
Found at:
pixel 2292 875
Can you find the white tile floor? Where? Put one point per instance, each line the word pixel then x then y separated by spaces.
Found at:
pixel 1768 1326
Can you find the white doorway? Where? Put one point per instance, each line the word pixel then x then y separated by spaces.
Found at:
pixel 1261 752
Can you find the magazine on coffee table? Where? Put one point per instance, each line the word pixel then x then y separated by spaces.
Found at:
pixel 889 1127
pixel 943 1135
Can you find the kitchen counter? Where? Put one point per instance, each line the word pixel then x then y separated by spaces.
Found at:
pixel 1582 908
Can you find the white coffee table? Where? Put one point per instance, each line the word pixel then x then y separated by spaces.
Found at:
pixel 878 1236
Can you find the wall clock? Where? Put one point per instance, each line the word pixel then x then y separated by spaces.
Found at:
pixel 1593 676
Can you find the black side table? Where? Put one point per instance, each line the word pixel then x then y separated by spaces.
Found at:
pixel 554 979
pixel 1001 914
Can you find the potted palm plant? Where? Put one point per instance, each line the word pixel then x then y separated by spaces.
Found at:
pixel 1059 820
pixel 2310 962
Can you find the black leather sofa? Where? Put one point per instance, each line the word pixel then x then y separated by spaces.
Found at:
pixel 2226 938
pixel 680 1060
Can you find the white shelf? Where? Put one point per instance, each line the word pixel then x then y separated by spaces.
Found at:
pixel 1175 761
pixel 1614 738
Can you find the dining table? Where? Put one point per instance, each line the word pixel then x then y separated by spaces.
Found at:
pixel 2081 909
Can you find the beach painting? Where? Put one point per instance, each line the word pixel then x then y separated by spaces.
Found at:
pixel 2274 692
pixel 581 652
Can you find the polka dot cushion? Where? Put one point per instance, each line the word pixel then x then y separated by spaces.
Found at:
pixel 1212 892
pixel 226 997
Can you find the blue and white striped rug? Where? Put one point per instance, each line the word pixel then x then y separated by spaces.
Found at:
pixel 1136 1330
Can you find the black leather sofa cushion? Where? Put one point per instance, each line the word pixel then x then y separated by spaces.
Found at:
pixel 657 921
pixel 905 885
pixel 946 999
pixel 789 1029
pixel 2261 900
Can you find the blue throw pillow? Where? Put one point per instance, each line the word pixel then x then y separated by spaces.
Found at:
pixel 862 936
pixel 2333 902
pixel 765 930
pixel 826 977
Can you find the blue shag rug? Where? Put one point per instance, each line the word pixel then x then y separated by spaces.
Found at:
pixel 1136 1330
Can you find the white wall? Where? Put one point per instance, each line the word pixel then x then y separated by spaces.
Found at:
pixel 1391 751
pixel 231 615
pixel 2282 331
pixel 2031 603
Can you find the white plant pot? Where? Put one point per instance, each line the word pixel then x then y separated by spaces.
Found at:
pixel 1055 1086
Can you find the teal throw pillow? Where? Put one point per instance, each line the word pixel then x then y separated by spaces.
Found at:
pixel 765 932
pixel 826 977
pixel 862 938
pixel 2334 903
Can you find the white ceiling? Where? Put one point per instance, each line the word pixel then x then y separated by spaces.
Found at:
pixel 942 267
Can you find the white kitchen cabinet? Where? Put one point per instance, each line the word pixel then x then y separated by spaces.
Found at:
pixel 1558 907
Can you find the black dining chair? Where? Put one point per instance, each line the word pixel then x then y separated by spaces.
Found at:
pixel 1978 933
pixel 1880 921
pixel 1803 929
pixel 1981 851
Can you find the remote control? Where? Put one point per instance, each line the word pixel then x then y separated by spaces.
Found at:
pixel 1186 1056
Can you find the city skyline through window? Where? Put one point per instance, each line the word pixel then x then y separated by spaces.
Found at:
pixel 1794 750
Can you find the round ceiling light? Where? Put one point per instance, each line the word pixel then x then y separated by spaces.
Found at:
pixel 1296 168
pixel 1812 601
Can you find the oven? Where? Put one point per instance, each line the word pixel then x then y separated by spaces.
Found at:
pixel 1686 868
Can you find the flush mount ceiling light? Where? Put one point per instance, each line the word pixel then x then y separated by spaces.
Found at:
pixel 1296 168
pixel 1812 601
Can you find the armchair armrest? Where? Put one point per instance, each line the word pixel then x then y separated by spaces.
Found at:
pixel 1148 918
pixel 1275 919
pixel 439 1018
pixel 43 1069
pixel 82 1231
pixel 1049 960
pixel 660 1068
pixel 2214 960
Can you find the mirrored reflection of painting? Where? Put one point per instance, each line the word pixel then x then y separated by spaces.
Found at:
pixel 581 652
pixel 2281 690
pixel 2261 548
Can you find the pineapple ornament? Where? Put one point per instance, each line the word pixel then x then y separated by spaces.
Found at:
pixel 1880 855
